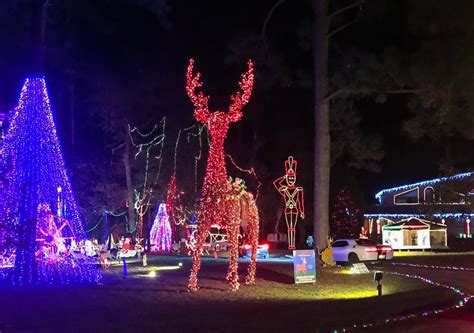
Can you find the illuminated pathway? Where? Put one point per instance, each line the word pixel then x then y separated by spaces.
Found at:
pixel 459 320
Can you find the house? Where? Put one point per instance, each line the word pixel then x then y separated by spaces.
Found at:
pixel 415 234
pixel 433 207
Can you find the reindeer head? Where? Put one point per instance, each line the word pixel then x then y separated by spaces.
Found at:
pixel 329 241
pixel 218 122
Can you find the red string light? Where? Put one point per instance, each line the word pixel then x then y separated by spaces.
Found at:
pixel 220 201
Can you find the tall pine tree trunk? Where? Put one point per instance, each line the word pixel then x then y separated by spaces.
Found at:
pixel 322 146
pixel 128 178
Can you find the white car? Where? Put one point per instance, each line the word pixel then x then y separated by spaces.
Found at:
pixel 355 250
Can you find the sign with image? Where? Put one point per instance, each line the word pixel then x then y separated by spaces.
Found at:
pixel 304 266
pixel 359 268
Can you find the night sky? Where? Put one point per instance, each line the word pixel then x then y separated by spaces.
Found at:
pixel 116 41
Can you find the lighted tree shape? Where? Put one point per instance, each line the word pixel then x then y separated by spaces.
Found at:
pixel 35 173
pixel 345 217
pixel 161 233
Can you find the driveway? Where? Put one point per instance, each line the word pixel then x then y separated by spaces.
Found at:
pixel 455 321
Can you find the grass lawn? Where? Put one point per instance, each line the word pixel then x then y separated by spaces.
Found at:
pixel 139 303
pixel 459 259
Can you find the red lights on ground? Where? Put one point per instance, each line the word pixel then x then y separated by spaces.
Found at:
pixel 262 247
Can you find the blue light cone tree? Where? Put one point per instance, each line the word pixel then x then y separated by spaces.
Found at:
pixel 35 177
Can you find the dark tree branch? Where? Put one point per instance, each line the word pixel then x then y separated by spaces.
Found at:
pixel 342 27
pixel 117 148
pixel 348 7
pixel 267 19
pixel 401 91
pixel 348 92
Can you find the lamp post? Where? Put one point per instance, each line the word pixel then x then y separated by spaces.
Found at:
pixel 378 276
pixel 468 228
pixel 60 201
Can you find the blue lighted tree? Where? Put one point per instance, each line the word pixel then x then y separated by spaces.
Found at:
pixel 39 215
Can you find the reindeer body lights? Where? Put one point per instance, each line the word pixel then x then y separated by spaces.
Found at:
pixel 219 203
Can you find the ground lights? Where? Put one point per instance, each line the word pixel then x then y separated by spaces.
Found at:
pixel 453 268
pixel 464 298
pixel 34 170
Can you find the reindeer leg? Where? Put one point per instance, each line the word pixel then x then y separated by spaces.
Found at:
pixel 203 229
pixel 251 271
pixel 232 274
pixel 253 231
pixel 229 232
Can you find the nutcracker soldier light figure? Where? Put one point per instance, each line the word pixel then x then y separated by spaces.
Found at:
pixel 293 197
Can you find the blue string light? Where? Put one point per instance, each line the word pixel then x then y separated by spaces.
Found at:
pixel 36 177
pixel 438 215
pixel 379 194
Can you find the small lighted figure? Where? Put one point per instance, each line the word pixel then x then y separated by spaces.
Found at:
pixel 293 196
pixel 326 255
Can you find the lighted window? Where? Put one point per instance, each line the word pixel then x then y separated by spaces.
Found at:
pixel 407 197
pixel 340 244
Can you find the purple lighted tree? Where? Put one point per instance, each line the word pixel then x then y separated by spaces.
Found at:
pixel 161 234
pixel 39 217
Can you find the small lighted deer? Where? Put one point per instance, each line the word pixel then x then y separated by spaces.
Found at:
pixel 301 267
pixel 216 206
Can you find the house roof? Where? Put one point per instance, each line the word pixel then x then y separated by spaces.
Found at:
pixel 406 211
pixel 379 194
pixel 414 223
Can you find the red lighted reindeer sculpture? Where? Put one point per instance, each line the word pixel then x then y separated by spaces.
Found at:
pixel 218 203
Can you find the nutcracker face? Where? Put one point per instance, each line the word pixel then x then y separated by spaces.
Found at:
pixel 291 179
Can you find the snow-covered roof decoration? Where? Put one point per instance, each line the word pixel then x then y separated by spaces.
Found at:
pixel 379 194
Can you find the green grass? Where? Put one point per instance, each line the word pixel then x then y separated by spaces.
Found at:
pixel 462 259
pixel 139 303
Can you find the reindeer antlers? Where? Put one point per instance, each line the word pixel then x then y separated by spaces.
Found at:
pixel 239 100
pixel 199 100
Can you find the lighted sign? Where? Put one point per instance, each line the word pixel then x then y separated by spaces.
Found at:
pixel 304 266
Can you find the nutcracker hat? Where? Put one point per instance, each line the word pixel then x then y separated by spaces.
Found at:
pixel 290 166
